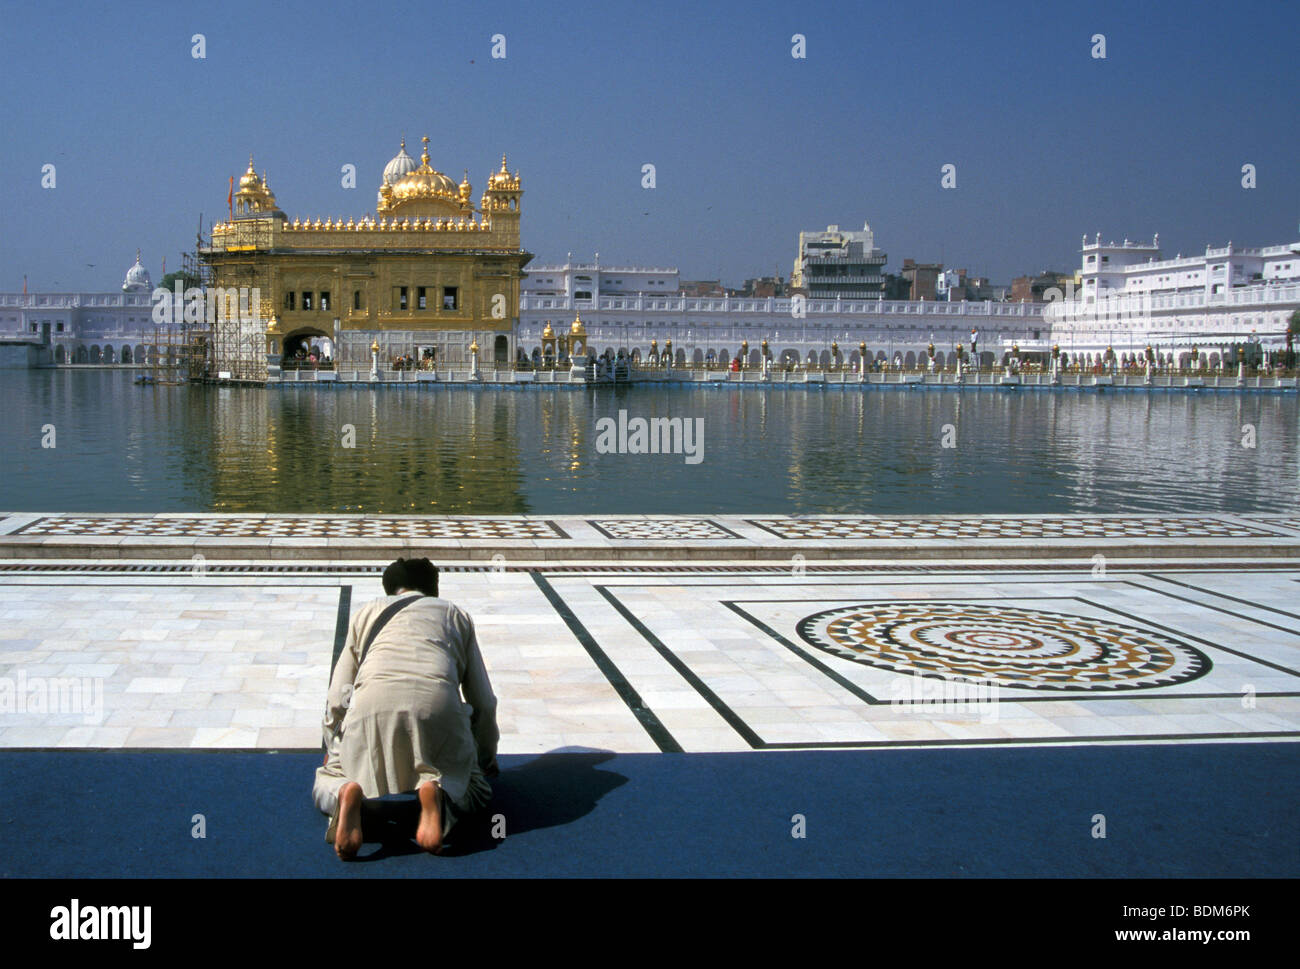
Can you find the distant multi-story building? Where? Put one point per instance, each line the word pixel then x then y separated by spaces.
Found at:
pixel 1129 297
pixel 762 287
pixel 839 264
pixel 921 279
pixel 702 287
pixel 956 286
pixel 589 281
pixel 1036 289
pixel 1110 269
pixel 951 285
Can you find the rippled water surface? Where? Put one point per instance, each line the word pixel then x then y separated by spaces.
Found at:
pixel 125 448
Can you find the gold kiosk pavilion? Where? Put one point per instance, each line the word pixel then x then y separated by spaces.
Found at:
pixel 428 276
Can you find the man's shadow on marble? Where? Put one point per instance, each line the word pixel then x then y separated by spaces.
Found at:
pixel 554 789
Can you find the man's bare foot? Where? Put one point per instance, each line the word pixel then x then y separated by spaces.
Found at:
pixel 347 836
pixel 428 835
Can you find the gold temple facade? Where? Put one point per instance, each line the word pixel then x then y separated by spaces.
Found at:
pixel 429 275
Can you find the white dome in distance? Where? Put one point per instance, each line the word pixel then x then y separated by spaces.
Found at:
pixel 137 277
pixel 400 165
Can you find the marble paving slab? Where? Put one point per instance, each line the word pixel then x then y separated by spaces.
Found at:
pixel 676 656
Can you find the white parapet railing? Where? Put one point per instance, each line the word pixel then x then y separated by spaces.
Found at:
pixel 782 306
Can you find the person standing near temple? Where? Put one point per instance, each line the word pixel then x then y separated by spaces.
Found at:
pixel 395 720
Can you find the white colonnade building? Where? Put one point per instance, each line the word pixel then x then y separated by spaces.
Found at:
pixel 624 309
pixel 1129 297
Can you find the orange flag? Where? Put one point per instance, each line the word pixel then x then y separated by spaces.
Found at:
pixel 230 199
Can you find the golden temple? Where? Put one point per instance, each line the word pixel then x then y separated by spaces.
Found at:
pixel 427 276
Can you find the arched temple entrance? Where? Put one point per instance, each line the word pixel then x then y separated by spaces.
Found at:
pixel 301 344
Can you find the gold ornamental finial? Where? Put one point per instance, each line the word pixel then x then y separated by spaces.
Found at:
pixel 503 161
pixel 137 255
pixel 425 156
pixel 403 142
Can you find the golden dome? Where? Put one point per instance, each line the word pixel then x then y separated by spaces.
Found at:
pixel 425 190
pixel 576 328
pixel 465 187
pixel 254 194
pixel 548 333
pixel 249 179
pixel 502 178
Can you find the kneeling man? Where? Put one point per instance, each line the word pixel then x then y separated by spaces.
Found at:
pixel 395 721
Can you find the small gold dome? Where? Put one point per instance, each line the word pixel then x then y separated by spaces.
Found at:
pixel 502 178
pixel 249 179
pixel 576 328
pixel 496 176
pixel 548 333
pixel 254 194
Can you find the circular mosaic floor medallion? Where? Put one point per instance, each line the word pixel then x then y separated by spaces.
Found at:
pixel 1007 645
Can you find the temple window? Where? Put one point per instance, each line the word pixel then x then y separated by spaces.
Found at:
pixel 324 301
pixel 449 298
pixel 356 299
pixel 306 300
pixel 288 300
pixel 421 301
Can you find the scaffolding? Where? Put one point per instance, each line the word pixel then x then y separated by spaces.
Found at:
pixel 235 284
pixel 177 354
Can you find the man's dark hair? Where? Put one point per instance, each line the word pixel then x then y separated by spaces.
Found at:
pixel 420 575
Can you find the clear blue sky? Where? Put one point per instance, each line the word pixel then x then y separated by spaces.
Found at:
pixel 750 144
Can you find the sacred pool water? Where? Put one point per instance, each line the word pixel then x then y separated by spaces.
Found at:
pixel 122 448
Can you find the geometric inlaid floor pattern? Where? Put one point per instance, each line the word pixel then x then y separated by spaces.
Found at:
pixel 661 529
pixel 1009 527
pixel 289 526
pixel 678 658
pixel 729 530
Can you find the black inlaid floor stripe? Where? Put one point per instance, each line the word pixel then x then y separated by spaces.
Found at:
pixel 672 659
pixel 644 715
pixel 1221 595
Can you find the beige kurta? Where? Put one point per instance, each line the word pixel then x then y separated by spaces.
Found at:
pixel 400 719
